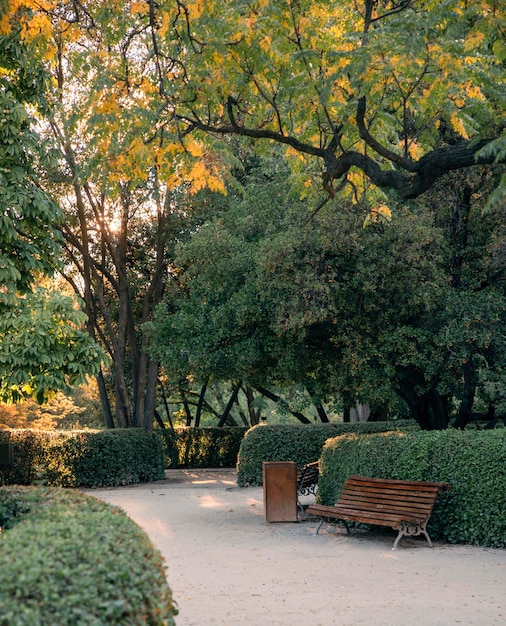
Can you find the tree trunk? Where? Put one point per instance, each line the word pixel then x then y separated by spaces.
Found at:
pixel 230 404
pixel 360 412
pixel 150 397
pixel 466 406
pixel 430 409
pixel 186 406
pixel 200 404
pixel 167 408
pixel 254 414
pixel 104 401
pixel 322 414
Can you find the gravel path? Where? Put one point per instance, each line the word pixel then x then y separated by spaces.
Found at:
pixel 227 566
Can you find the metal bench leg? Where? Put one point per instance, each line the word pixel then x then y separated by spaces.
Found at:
pixel 423 530
pixel 319 526
pixel 400 534
pixel 411 529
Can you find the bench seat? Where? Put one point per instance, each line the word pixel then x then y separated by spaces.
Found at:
pixel 403 505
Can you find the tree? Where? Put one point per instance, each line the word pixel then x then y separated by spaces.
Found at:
pixel 214 326
pixel 119 178
pixel 392 93
pixel 29 236
pixel 397 93
pixel 347 302
pixel 73 409
pixel 42 346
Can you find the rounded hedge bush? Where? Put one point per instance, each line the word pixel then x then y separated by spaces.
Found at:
pixel 68 559
pixel 84 458
pixel 300 443
pixel 472 462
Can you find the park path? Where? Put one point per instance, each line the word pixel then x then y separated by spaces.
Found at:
pixel 228 567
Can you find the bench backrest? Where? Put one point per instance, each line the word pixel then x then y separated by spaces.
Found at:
pixel 308 475
pixel 410 499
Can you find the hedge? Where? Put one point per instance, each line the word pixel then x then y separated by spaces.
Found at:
pixel 84 458
pixel 68 558
pixel 300 443
pixel 472 462
pixel 201 447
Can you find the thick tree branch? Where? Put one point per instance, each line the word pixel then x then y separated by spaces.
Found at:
pixel 255 133
pixel 426 171
pixel 410 178
pixel 393 157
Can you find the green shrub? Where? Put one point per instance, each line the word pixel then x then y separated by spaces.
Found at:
pixel 201 447
pixel 71 559
pixel 472 462
pixel 300 443
pixel 84 458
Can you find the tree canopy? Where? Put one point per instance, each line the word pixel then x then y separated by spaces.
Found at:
pixel 398 92
pixel 392 93
pixel 26 248
pixel 346 303
pixel 139 106
pixel 43 347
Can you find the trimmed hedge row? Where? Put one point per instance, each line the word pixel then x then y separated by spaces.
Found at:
pixel 472 462
pixel 68 559
pixel 300 443
pixel 87 458
pixel 201 447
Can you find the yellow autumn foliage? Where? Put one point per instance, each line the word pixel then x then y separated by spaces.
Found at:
pixel 139 8
pixel 458 125
pixel 200 177
pixel 473 40
pixel 379 213
pixel 195 9
pixel 38 23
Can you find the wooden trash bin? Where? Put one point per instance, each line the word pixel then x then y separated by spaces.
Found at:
pixel 280 491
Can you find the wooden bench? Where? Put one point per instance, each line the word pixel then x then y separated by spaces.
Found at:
pixel 307 481
pixel 400 504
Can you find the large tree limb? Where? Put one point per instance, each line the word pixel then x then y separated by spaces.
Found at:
pixel 408 177
pixel 427 170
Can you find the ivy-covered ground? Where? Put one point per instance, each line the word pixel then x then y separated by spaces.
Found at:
pixel 227 565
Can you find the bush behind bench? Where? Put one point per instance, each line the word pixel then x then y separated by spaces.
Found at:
pixel 68 558
pixel 300 443
pixel 472 462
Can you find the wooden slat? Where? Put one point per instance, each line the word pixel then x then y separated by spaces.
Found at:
pixel 392 488
pixel 423 501
pixel 398 510
pixel 392 521
pixel 388 497
pixel 413 484
pixel 395 493
pixel 426 506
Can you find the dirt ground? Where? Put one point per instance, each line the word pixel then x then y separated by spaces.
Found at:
pixel 228 566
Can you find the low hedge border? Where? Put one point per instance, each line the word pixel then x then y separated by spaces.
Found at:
pixel 300 443
pixel 201 447
pixel 472 462
pixel 87 458
pixel 68 558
